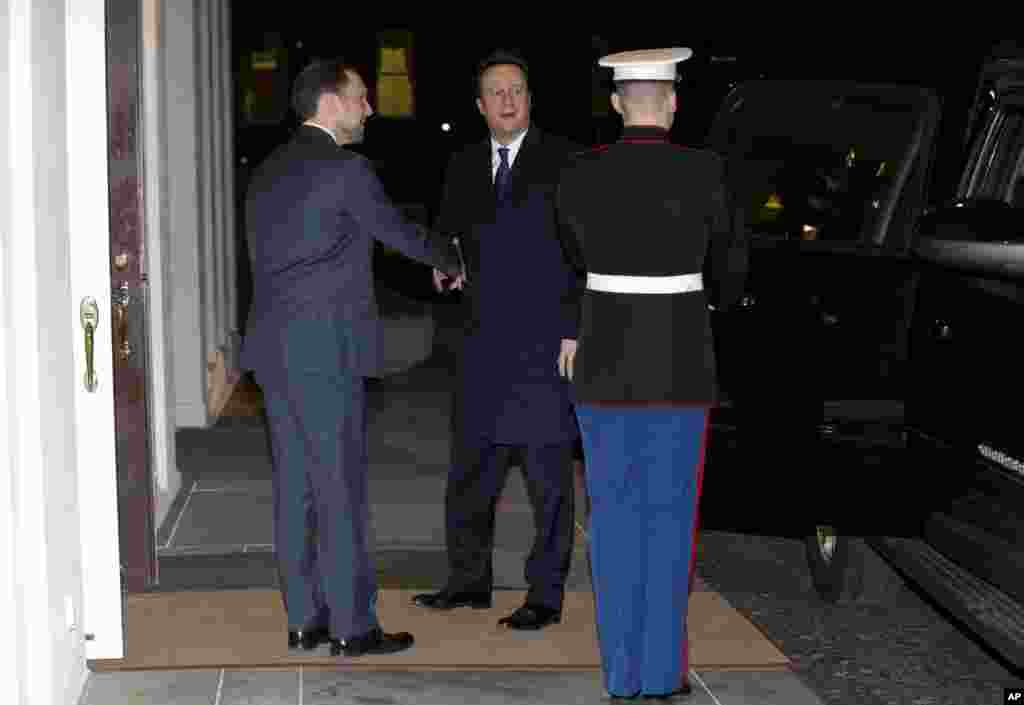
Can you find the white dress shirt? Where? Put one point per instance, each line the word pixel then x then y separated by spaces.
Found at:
pixel 513 150
pixel 313 124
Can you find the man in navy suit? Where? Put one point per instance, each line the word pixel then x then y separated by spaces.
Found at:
pixel 313 210
pixel 521 312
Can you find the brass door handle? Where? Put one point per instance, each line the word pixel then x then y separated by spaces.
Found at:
pixel 89 313
pixel 121 299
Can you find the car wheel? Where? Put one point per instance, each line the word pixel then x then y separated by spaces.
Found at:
pixel 835 563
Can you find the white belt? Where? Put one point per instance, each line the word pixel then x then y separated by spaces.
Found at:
pixel 626 284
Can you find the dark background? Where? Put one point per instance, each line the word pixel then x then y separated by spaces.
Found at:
pixel 410 154
pixel 561 80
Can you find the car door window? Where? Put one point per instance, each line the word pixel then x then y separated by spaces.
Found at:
pixel 819 163
pixel 811 192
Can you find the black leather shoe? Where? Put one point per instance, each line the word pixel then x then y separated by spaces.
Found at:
pixel 532 617
pixel 308 639
pixel 373 642
pixel 684 690
pixel 446 600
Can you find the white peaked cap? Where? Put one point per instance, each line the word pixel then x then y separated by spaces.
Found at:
pixel 646 64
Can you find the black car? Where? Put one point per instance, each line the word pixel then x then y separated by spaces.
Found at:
pixel 964 378
pixel 868 371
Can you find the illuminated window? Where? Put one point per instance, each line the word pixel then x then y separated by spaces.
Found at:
pixel 394 75
pixel 264 83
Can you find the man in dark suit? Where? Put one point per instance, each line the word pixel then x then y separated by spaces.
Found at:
pixel 312 211
pixel 521 308
pixel 652 226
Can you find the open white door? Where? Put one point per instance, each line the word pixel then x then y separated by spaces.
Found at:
pixel 103 613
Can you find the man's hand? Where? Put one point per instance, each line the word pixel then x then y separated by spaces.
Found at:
pixel 440 278
pixel 566 357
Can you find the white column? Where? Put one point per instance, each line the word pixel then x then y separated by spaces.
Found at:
pixel 167 479
pixel 214 125
pixel 222 93
pixel 207 185
pixel 26 464
pixel 199 68
pixel 12 660
pixel 190 329
pixel 219 166
pixel 212 128
pixel 228 126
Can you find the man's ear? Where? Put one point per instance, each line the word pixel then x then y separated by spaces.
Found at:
pixel 323 106
pixel 480 106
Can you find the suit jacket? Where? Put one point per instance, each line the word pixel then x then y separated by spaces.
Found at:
pixel 468 210
pixel 645 207
pixel 313 209
pixel 523 294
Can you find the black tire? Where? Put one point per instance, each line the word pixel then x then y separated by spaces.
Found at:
pixel 836 572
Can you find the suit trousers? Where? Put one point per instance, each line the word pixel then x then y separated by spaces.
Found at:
pixel 317 421
pixel 475 481
pixel 644 467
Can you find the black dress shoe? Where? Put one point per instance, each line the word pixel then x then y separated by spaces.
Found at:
pixel 532 617
pixel 373 642
pixel 684 690
pixel 308 639
pixel 446 600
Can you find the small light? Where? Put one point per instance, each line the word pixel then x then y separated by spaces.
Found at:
pixel 446 127
pixel 298 45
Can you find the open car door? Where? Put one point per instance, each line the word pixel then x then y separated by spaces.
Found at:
pixel 829 180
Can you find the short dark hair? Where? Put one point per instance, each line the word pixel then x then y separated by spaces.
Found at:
pixel 640 88
pixel 624 85
pixel 497 58
pixel 318 78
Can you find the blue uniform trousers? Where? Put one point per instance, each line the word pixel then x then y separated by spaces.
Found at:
pixel 643 472
pixel 317 421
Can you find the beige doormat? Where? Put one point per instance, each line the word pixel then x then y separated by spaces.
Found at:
pixel 246 629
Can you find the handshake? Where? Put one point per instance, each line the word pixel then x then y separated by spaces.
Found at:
pixel 444 282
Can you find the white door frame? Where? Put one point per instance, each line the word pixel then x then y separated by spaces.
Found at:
pixel 54 241
pixel 89 269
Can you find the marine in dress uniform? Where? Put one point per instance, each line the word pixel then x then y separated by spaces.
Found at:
pixel 650 225
pixel 521 306
pixel 313 209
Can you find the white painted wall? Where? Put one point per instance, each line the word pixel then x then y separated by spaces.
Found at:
pixel 45 661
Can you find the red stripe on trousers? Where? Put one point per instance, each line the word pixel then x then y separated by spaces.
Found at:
pixel 693 554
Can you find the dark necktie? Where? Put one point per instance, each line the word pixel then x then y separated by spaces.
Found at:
pixel 501 178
